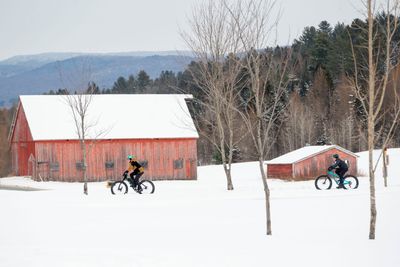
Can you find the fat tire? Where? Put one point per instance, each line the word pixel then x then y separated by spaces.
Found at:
pixel 355 180
pixel 116 190
pixel 319 181
pixel 146 187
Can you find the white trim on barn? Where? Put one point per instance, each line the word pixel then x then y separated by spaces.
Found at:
pixel 305 153
pixel 134 116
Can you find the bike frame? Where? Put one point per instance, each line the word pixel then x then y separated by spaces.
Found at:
pixel 125 178
pixel 336 178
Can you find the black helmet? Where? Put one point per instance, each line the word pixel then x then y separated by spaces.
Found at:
pixel 336 156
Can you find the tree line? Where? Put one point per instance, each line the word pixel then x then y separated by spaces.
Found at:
pixel 141 83
pixel 6 116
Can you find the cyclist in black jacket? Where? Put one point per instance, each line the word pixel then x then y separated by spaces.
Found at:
pixel 341 168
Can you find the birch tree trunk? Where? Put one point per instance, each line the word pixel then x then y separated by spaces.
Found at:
pixel 373 212
pixel 266 192
pixel 226 162
pixel 84 167
pixel 385 171
pixel 371 122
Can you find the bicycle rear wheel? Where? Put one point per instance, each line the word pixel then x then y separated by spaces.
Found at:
pixel 119 188
pixel 323 182
pixel 146 187
pixel 350 182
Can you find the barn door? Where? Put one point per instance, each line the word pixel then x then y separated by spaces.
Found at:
pixel 32 167
pixel 191 169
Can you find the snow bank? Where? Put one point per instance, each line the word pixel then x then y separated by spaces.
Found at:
pixel 393 167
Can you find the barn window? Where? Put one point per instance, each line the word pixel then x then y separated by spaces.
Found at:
pixel 79 165
pixel 144 163
pixel 109 164
pixel 54 166
pixel 178 164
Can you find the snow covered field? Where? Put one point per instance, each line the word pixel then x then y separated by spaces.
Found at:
pixel 199 223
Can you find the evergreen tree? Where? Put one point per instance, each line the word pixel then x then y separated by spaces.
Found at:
pixel 339 60
pixel 166 83
pixel 143 81
pixel 131 86
pixel 322 46
pixel 93 89
pixel 120 86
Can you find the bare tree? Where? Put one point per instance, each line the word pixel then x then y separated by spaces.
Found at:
pixel 267 71
pixel 299 122
pixel 371 88
pixel 390 122
pixel 342 126
pixel 216 75
pixel 79 105
pixel 79 100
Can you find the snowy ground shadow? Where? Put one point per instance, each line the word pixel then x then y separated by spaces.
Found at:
pixel 19 188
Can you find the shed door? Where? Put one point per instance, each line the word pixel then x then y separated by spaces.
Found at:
pixel 43 170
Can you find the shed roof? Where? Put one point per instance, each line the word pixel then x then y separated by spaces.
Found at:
pixel 116 116
pixel 304 153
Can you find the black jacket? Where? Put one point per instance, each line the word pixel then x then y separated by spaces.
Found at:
pixel 135 167
pixel 340 164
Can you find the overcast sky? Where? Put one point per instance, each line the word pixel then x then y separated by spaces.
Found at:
pixel 38 26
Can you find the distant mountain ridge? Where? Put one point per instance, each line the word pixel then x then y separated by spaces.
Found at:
pixel 38 58
pixel 37 74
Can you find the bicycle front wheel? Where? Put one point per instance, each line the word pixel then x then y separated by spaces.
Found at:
pixel 323 182
pixel 350 182
pixel 146 187
pixel 119 188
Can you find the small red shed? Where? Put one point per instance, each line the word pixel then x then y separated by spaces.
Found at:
pixel 309 162
pixel 158 129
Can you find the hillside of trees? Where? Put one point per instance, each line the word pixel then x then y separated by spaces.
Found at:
pixel 318 106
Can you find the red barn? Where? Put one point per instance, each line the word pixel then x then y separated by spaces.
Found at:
pixel 157 129
pixel 309 162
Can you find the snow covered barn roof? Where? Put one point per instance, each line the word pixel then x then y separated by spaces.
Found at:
pixel 116 116
pixel 304 153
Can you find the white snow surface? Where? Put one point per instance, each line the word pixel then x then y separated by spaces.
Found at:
pixel 200 223
pixel 133 116
pixel 303 153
